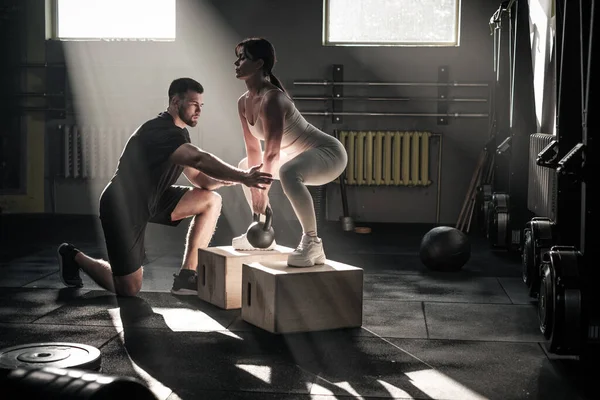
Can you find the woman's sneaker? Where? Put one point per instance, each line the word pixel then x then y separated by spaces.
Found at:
pixel 308 253
pixel 242 243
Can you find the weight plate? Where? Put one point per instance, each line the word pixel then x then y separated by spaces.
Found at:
pixel 500 201
pixel 527 259
pixel 567 330
pixel 546 301
pixel 487 192
pixel 486 210
pixel 50 354
pixel 489 218
pixel 543 230
pixel 572 319
pixel 480 205
pixel 502 237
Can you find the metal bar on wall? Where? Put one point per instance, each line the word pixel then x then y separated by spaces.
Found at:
pixel 393 114
pixel 359 98
pixel 330 83
pixel 438 201
pixel 442 106
pixel 41 65
pixel 337 92
pixel 44 109
pixel 35 94
pixel 333 99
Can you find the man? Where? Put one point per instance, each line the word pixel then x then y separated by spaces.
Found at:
pixel 142 190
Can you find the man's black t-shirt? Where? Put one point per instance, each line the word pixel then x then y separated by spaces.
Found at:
pixel 144 171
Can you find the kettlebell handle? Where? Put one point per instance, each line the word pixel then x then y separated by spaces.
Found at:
pixel 268 219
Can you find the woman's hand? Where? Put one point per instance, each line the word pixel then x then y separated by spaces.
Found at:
pixel 260 200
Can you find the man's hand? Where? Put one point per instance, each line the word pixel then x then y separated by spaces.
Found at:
pixel 256 179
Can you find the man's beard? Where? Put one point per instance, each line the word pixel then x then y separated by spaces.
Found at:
pixel 189 121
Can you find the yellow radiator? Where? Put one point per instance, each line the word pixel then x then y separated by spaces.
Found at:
pixel 392 158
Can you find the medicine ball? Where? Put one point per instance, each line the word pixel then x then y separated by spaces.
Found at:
pixel 445 249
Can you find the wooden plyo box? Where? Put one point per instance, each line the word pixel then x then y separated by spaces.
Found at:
pixel 282 299
pixel 220 272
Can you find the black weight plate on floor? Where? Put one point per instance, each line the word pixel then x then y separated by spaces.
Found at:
pixel 546 300
pixel 50 354
pixel 527 258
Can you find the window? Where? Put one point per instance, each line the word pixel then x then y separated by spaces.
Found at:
pixel 391 22
pixel 114 20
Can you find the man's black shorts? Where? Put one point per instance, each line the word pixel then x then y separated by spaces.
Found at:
pixel 125 238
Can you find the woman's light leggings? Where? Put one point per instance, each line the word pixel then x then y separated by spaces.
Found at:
pixel 313 167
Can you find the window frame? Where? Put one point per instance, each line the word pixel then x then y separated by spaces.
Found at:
pixel 52 29
pixel 329 43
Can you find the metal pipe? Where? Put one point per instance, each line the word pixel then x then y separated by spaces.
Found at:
pixel 439 179
pixel 498 49
pixel 510 4
pixel 35 94
pixel 344 113
pixel 513 63
pixel 39 109
pixel 495 44
pixel 358 98
pixel 41 65
pixel 331 83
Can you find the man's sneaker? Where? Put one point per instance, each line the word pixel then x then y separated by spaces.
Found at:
pixel 242 243
pixel 68 268
pixel 185 283
pixel 308 253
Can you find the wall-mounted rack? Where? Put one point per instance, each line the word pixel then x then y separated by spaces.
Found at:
pixel 335 100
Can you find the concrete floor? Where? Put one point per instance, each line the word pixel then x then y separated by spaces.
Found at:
pixel 468 335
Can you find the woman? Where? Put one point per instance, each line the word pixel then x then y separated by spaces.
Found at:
pixel 295 152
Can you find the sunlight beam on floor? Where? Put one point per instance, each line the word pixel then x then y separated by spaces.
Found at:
pixel 262 372
pixel 437 385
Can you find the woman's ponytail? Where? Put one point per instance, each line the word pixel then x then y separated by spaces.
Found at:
pixel 276 82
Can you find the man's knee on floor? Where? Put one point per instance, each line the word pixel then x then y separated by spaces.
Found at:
pixel 129 285
pixel 243 164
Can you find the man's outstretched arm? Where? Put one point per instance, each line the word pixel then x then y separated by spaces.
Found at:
pixel 189 155
pixel 201 180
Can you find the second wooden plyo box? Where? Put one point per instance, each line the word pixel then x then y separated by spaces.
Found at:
pixel 283 299
pixel 220 272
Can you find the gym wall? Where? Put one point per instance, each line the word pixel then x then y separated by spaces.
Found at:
pixel 131 79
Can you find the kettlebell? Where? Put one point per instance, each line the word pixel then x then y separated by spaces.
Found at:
pixel 261 234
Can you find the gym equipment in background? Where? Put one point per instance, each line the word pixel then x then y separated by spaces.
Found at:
pixel 560 300
pixel 445 248
pixel 74 384
pixel 484 201
pixel 498 232
pixel 50 354
pixel 540 236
